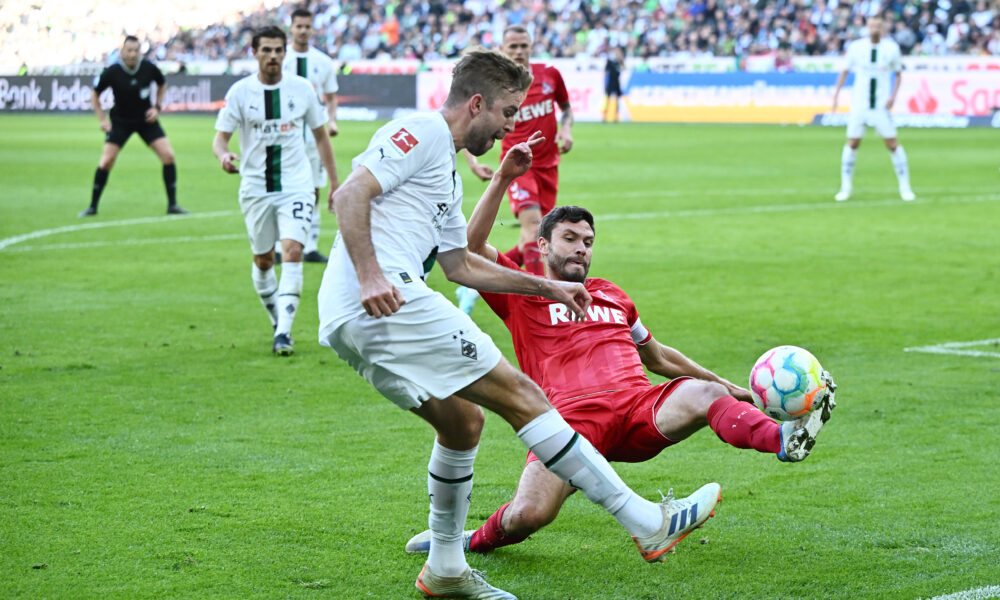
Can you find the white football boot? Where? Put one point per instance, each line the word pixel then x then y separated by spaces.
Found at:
pixel 467 585
pixel 798 436
pixel 843 194
pixel 680 517
pixel 906 193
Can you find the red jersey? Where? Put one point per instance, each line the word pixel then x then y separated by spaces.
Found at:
pixel 568 359
pixel 538 113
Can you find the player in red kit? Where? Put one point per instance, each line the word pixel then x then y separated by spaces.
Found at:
pixel 533 194
pixel 592 372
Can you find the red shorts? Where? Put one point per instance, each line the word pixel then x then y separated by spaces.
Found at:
pixel 621 424
pixel 536 188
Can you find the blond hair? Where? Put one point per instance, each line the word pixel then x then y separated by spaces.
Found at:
pixel 486 72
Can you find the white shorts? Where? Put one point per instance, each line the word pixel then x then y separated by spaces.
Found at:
pixel 277 216
pixel 315 164
pixel 879 118
pixel 429 349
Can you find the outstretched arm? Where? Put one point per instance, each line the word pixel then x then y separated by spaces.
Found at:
pixel 668 362
pixel 515 163
pixel 470 270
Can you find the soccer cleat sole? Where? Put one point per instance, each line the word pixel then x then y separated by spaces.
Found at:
pixel 658 556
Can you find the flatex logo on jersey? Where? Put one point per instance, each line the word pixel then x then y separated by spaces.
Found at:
pixel 558 313
pixel 533 111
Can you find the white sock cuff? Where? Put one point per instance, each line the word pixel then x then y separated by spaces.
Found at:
pixel 849 152
pixel 542 427
pixel 449 464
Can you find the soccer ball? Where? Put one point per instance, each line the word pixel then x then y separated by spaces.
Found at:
pixel 785 381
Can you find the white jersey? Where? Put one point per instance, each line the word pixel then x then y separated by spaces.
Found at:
pixel 873 66
pixel 418 214
pixel 315 66
pixel 271 120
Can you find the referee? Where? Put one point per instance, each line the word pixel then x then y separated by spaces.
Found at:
pixel 130 80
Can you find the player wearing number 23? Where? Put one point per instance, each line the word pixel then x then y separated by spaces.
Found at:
pixel 271 110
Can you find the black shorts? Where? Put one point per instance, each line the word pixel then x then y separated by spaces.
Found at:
pixel 122 130
pixel 613 88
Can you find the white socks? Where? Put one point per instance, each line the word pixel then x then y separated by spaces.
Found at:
pixel 289 292
pixel 449 484
pixel 266 285
pixel 902 167
pixel 312 242
pixel 572 457
pixel 847 159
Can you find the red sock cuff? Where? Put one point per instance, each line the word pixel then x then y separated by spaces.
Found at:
pixel 491 535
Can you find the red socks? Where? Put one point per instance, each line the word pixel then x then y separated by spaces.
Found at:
pixel 491 535
pixel 515 255
pixel 530 258
pixel 533 262
pixel 742 425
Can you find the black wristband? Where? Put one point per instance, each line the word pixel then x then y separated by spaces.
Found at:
pixel 157 107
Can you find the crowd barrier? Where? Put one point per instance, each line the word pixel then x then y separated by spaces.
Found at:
pixel 927 97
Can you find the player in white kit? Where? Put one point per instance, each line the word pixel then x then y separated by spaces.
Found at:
pixel 874 60
pixel 399 212
pixel 277 196
pixel 308 61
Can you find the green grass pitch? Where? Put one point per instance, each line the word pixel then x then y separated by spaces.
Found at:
pixel 151 446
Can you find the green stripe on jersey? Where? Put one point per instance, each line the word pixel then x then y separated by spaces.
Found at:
pixel 272 104
pixel 872 86
pixel 272 168
pixel 300 66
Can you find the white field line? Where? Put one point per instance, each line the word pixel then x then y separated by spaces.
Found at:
pixel 17 239
pixel 959 348
pixel 807 193
pixel 983 593
pixel 707 212
pixel 132 242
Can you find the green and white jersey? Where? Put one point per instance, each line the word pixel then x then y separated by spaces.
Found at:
pixel 873 66
pixel 315 66
pixel 417 215
pixel 272 120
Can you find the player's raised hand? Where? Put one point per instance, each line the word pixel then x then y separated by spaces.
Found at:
pixel 379 297
pixel 518 159
pixel 228 161
pixel 574 295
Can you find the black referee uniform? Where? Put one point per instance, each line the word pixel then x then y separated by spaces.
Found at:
pixel 132 92
pixel 132 89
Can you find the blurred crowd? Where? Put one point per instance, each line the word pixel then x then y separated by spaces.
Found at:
pixel 353 30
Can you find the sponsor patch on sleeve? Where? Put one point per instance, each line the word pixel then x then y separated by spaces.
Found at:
pixel 404 140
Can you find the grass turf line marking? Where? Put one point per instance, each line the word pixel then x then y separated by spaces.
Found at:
pixel 958 348
pixel 983 593
pixel 132 242
pixel 4 243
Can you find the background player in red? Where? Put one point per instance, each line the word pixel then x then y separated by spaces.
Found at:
pixel 592 372
pixel 533 194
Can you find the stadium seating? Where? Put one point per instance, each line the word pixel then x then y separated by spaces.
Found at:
pixel 64 32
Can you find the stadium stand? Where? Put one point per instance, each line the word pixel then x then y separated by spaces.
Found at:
pixel 39 35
